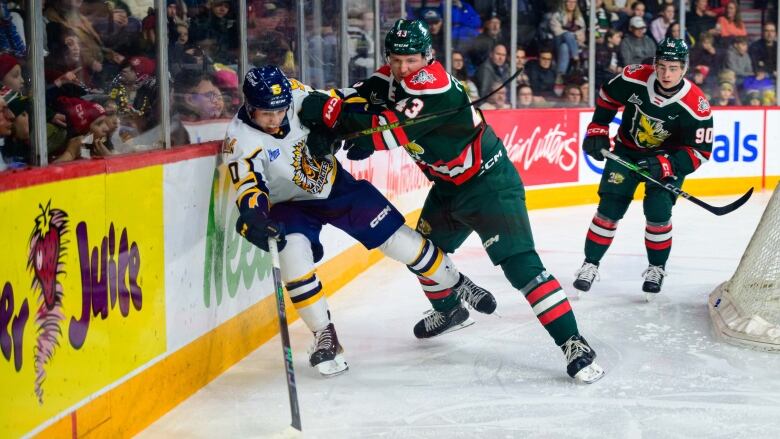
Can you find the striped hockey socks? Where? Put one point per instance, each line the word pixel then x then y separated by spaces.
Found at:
pixel 551 306
pixel 658 241
pixel 600 234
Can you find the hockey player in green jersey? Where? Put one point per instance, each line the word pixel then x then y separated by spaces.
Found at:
pixel 476 188
pixel 667 129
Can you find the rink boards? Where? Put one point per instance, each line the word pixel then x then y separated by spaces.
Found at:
pixel 126 289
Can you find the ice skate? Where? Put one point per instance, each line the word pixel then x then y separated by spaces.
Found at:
pixel 438 322
pixel 654 279
pixel 326 353
pixel 580 359
pixel 476 297
pixel 585 277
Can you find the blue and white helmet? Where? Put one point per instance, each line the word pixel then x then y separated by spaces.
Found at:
pixel 267 88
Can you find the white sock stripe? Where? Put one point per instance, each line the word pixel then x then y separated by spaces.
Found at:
pixel 432 288
pixel 658 237
pixel 429 253
pixel 548 302
pixel 602 231
pixel 303 289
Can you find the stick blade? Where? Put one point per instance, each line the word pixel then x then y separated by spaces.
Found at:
pixel 730 207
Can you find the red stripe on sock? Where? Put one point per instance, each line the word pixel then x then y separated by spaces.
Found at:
pixel 425 281
pixel 604 224
pixel 658 229
pixel 559 310
pixel 542 290
pixel 663 245
pixel 438 294
pixel 598 239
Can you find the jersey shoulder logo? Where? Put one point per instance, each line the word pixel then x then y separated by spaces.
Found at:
pixel 229 145
pixel 273 154
pixel 309 174
pixel 648 132
pixel 616 178
pixel 634 99
pixel 414 150
pixel 423 77
pixel 633 68
pixel 704 106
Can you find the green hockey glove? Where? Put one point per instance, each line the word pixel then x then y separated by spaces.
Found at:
pixel 360 148
pixel 596 139
pixel 659 166
pixel 321 142
pixel 318 109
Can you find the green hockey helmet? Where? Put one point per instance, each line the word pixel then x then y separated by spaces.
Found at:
pixel 672 49
pixel 408 37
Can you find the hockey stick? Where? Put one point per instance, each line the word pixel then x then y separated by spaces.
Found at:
pixel 285 335
pixel 427 117
pixel 677 191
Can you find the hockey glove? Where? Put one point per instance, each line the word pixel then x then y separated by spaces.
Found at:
pixel 321 142
pixel 360 148
pixel 659 166
pixel 318 109
pixel 257 228
pixel 596 139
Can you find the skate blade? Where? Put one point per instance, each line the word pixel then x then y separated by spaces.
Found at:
pixel 334 367
pixel 468 322
pixel 589 374
pixel 649 297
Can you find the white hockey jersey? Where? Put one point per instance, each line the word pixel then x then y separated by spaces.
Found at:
pixel 280 168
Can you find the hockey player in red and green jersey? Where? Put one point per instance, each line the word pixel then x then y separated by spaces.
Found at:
pixel 667 129
pixel 476 188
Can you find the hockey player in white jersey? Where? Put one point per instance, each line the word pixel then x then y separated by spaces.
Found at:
pixel 285 193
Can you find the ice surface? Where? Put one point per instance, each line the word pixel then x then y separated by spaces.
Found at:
pixel 668 376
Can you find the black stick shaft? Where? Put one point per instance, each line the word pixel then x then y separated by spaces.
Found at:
pixel 676 190
pixel 284 335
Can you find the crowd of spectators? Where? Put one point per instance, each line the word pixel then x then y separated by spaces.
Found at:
pixel 102 86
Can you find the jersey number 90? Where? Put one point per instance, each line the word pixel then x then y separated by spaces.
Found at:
pixel 704 135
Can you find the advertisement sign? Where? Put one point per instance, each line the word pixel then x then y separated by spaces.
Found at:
pixel 772 158
pixel 82 301
pixel 542 144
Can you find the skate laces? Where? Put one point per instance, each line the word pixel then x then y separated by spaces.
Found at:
pixel 574 348
pixel 433 319
pixel 654 273
pixel 470 293
pixel 323 339
pixel 588 272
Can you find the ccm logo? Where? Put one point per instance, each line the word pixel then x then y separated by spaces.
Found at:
pixel 330 111
pixel 490 241
pixel 492 161
pixel 380 217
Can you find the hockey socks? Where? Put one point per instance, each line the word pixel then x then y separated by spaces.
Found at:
pixel 600 234
pixel 434 269
pixel 543 293
pixel 303 285
pixel 658 241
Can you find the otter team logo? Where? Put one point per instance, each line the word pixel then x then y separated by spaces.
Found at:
pixel 635 68
pixel 414 150
pixel 229 145
pixel 616 178
pixel 45 261
pixel 648 132
pixel 309 174
pixel 423 77
pixel 424 227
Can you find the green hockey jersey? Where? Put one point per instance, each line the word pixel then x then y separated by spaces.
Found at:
pixel 452 148
pixel 680 125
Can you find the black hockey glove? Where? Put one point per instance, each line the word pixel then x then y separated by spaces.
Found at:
pixel 319 109
pixel 596 139
pixel 321 142
pixel 659 166
pixel 257 229
pixel 360 148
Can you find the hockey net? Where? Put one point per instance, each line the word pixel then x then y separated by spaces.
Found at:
pixel 745 310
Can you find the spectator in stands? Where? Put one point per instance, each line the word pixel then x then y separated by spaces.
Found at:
pixel 638 9
pixel 730 24
pixel 465 24
pixel 572 96
pixel 520 61
pixel 568 27
pixel 494 69
pixel 763 52
pixel 136 71
pixel 216 33
pixel 496 101
pixel 725 96
pixel 13 153
pixel 753 98
pixel 608 61
pixel 704 53
pixel 435 25
pixel 86 122
pixel 460 73
pixel 674 32
pixel 11 73
pixel 660 24
pixel 484 43
pixel 761 81
pixel 621 9
pixel 700 20
pixel 119 30
pixel 541 73
pixel 360 48
pixel 226 80
pixel 196 100
pixel 637 47
pixel 525 96
pixel 267 44
pixel 66 13
pixel 738 60
pixel 699 75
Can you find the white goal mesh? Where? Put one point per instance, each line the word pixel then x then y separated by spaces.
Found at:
pixel 745 310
